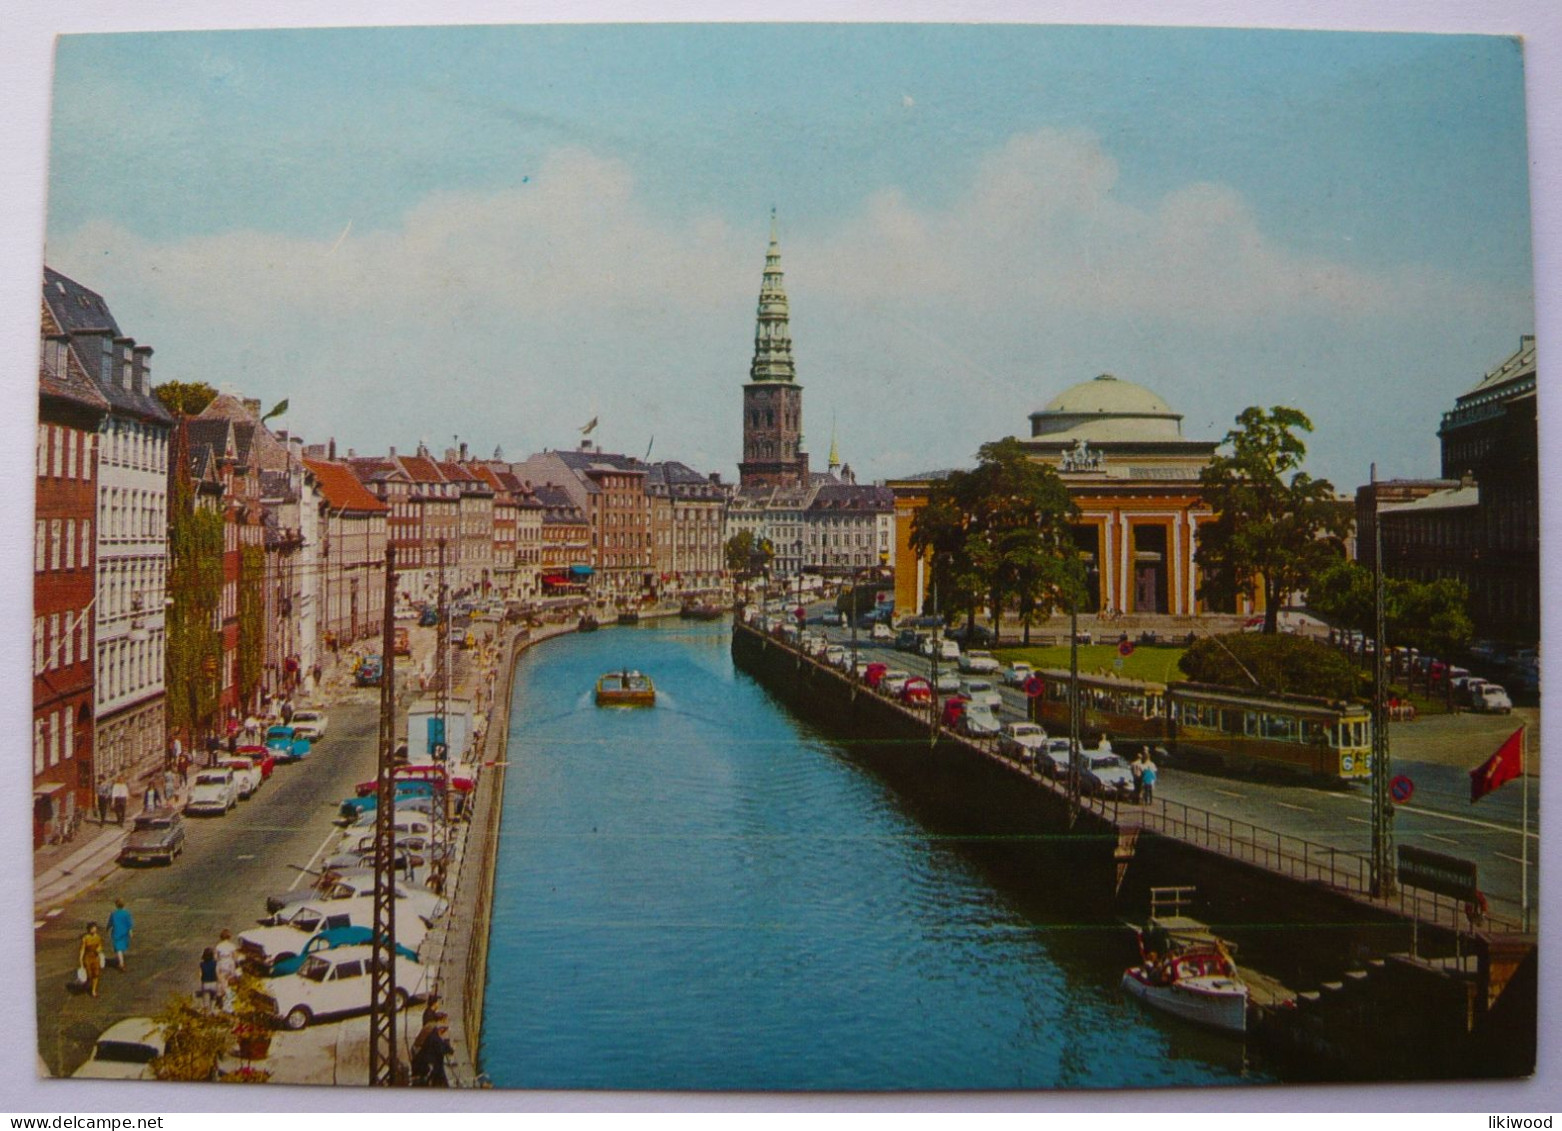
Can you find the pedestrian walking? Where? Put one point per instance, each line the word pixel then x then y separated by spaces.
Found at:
pixel 120 793
pixel 170 786
pixel 1147 780
pixel 120 927
pixel 105 800
pixel 183 766
pixel 227 954
pixel 150 799
pixel 209 992
pixel 89 958
pixel 1136 768
pixel 431 1010
pixel 429 1050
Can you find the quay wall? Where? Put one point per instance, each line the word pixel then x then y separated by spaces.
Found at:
pixel 1355 959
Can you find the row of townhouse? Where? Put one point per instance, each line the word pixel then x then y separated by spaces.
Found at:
pixel 619 528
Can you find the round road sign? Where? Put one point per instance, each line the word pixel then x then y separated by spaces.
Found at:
pixel 1125 647
pixel 801 614
pixel 1401 788
pixel 1034 686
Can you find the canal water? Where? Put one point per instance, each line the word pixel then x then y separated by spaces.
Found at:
pixel 711 894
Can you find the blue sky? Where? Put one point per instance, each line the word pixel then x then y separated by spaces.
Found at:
pixel 499 232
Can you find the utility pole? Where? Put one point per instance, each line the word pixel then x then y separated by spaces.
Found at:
pixel 1383 880
pixel 440 829
pixel 383 1069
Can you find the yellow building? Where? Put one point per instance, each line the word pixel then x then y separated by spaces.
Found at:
pixel 1135 479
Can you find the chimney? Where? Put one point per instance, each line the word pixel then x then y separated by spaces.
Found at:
pixel 351 454
pixel 331 448
pixel 392 452
pixel 252 406
pixel 142 366
pixel 463 451
pixel 282 436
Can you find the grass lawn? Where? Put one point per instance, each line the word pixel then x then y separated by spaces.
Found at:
pixel 1152 662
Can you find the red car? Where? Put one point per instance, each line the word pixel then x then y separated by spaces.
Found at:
pixel 916 691
pixel 261 757
pixel 424 771
pixel 954 709
pixel 874 673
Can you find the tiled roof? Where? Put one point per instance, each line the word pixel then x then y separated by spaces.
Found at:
pixel 68 381
pixel 341 487
pixel 850 496
pixel 420 469
pixel 76 309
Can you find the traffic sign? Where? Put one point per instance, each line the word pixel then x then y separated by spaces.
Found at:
pixel 1034 686
pixel 1401 788
pixel 1125 648
pixel 801 614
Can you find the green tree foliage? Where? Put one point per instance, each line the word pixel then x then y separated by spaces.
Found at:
pixel 1431 616
pixel 252 643
pixel 1276 527
pixel 194 651
pixel 185 398
pixel 748 556
pixel 998 531
pixel 1283 663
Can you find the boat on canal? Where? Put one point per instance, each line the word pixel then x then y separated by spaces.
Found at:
pixel 1186 970
pixel 697 610
pixel 626 688
pixel 588 623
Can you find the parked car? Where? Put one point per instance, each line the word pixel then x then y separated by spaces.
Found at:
pixel 406 824
pixel 355 807
pixel 260 757
pixel 978 662
pixel 881 632
pixel 213 791
pixel 124 1051
pixel 336 983
pixel 412 851
pixel 330 939
pixel 832 617
pixel 286 932
pixel 1105 773
pixel 245 774
pixel 1021 741
pixel 907 640
pixel 981 691
pixel 893 681
pixel 974 635
pixel 285 745
pixel 369 672
pixel 874 674
pixel 158 835
pixel 1052 757
pixel 978 720
pixel 428 617
pixel 351 883
pixel 423 806
pixel 1491 698
pixel 836 656
pixel 948 682
pixel 916 691
pixel 1017 673
pixel 953 708
pixel 310 724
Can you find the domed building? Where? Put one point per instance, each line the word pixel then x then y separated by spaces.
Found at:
pixel 1135 478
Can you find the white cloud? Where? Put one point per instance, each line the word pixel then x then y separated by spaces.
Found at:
pixel 499 315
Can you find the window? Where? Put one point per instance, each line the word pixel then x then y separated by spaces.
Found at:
pixel 38 746
pixel 37 646
pixel 86 543
pixel 54 739
pixel 41 453
pixel 70 543
pixel 57 442
pixel 70 454
pixel 40 546
pixel 70 735
pixel 56 532
pixel 69 657
pixel 53 658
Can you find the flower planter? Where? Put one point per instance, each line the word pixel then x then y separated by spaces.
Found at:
pixel 255 1047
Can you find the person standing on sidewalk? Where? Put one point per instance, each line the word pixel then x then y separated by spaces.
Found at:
pixel 121 796
pixel 105 800
pixel 120 927
pixel 1147 779
pixel 227 952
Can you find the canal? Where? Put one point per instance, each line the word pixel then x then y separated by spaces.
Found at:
pixel 712 894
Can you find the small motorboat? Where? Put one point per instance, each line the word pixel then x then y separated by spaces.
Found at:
pixel 700 611
pixel 626 689
pixel 1189 974
pixel 629 616
pixel 588 623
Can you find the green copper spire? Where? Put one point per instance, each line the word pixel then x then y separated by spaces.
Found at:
pixel 772 330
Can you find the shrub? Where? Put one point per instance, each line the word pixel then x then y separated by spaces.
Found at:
pixel 1292 665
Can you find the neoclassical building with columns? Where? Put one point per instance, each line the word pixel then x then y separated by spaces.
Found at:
pixel 1135 479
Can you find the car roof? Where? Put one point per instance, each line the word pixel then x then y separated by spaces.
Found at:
pixel 141 1030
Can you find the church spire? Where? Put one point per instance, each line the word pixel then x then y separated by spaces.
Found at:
pixel 772 329
pixel 835 454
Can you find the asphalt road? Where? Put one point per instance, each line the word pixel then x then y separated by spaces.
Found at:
pixel 229 866
pixel 1435 752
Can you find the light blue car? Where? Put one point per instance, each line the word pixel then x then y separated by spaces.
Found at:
pixel 285 745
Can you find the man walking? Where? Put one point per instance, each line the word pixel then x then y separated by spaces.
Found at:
pixel 120 794
pixel 1147 779
pixel 105 801
pixel 120 927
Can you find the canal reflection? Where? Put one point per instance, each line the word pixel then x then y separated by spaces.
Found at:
pixel 713 894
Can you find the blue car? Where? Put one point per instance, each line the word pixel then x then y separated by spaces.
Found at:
pixel 329 939
pixel 355 807
pixel 285 745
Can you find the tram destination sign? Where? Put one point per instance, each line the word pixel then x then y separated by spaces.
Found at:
pixel 1432 871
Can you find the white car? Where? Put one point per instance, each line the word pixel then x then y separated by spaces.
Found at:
pixel 836 656
pixel 882 632
pixel 124 1051
pixel 977 661
pixel 1105 773
pixel 406 823
pixel 947 683
pixel 1017 673
pixel 980 691
pixel 1022 741
pixel 893 680
pixel 310 724
pixel 334 983
pixel 287 931
pixel 978 720
pixel 1052 758
pixel 354 883
pixel 213 791
pixel 245 774
pixel 1491 698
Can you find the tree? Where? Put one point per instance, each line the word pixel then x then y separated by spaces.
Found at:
pixel 252 642
pixel 1282 663
pixel 1430 616
pixel 185 398
pixel 1276 527
pixel 193 658
pixel 998 530
pixel 747 555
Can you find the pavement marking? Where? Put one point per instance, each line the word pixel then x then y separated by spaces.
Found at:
pixel 334 834
pixel 1229 793
pixel 1444 839
pixel 1453 817
pixel 245 856
pixel 1298 808
pixel 1515 859
pixel 1359 820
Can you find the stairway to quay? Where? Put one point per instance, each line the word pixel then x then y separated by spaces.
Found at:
pixel 1408 986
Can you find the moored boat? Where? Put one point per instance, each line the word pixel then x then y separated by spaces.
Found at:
pixel 626 689
pixel 1185 969
pixel 588 623
pixel 629 616
pixel 693 610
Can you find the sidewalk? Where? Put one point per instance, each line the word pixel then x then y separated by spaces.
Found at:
pixel 60 871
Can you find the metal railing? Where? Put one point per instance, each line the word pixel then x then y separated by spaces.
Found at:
pixel 1294 857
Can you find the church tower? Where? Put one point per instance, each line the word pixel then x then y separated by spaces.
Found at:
pixel 772 398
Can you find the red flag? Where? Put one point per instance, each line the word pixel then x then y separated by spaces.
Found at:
pixel 1501 768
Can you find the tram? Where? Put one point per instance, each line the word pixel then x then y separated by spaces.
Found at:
pixel 1224 726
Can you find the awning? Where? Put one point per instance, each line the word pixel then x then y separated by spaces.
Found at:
pixel 581 570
